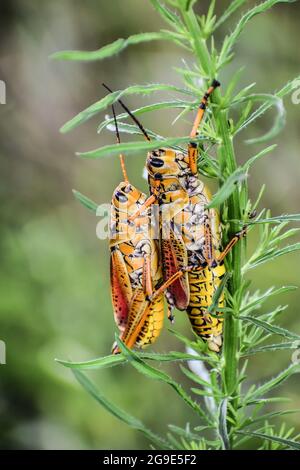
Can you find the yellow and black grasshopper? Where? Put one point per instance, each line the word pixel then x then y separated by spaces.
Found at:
pixel 137 286
pixel 190 233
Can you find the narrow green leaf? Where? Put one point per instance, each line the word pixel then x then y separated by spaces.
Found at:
pixel 116 359
pixel 276 330
pixel 144 368
pixel 233 6
pixel 201 428
pixel 259 155
pixel 242 93
pixel 170 17
pixel 261 298
pixel 206 394
pixel 186 341
pixel 131 129
pixel 118 412
pixel 85 201
pixel 99 363
pixel 133 147
pixel 176 104
pixel 156 374
pixel 272 347
pixel 271 384
pixel 134 130
pixel 113 409
pixel 268 102
pixel 198 345
pixel 188 4
pixel 273 254
pixel 277 219
pixel 222 424
pixel 186 433
pixel 232 38
pixel 266 401
pixel 111 98
pixel 172 356
pixel 110 49
pixel 199 380
pixel 287 234
pixel 234 81
pixel 177 444
pixel 227 188
pixel 287 442
pixel 219 291
pixel 274 414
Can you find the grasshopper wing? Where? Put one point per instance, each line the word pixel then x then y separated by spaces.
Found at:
pixel 138 311
pixel 121 290
pixel 145 320
pixel 174 256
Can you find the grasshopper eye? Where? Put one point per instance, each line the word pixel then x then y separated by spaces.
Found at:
pixel 121 197
pixel 156 162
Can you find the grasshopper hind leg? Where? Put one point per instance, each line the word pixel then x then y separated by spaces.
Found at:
pixel 171 307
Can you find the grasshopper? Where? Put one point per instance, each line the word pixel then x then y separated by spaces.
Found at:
pixel 137 287
pixel 192 247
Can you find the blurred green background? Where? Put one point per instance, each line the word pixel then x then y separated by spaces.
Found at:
pixel 54 289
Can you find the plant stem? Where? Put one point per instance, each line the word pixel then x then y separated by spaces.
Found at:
pixel 234 265
pixel 227 165
pixel 200 47
pixel 231 325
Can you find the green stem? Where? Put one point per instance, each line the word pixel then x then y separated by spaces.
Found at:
pixel 234 262
pixel 228 165
pixel 231 325
pixel 199 42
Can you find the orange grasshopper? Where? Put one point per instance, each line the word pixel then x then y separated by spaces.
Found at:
pixel 192 247
pixel 136 277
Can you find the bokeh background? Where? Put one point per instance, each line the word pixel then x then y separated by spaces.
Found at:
pixel 54 283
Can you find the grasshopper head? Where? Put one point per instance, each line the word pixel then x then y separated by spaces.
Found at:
pixel 164 163
pixel 127 198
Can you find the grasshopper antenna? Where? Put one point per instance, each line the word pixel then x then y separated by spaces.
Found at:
pixel 193 147
pixel 215 84
pixel 140 126
pixel 122 162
